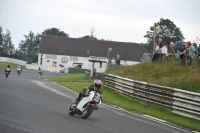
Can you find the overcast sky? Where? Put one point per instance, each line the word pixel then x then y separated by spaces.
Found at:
pixel 116 20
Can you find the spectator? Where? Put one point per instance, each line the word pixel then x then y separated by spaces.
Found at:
pixel 199 51
pixel 171 48
pixel 182 55
pixel 172 44
pixel 113 62
pixel 40 71
pixel 164 50
pixel 118 61
pixel 157 53
pixel 191 53
pixel 160 44
pixel 196 48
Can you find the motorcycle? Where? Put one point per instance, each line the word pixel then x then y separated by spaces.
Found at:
pixel 18 72
pixel 7 74
pixel 86 105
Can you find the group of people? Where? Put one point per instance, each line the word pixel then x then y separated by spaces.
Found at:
pixel 113 62
pixel 168 49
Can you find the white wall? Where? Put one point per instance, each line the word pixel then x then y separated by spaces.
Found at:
pixel 86 64
pixel 11 60
pixel 85 60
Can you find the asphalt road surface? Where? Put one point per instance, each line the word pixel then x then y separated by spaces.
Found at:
pixel 31 105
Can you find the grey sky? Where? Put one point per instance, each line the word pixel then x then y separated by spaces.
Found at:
pixel 116 20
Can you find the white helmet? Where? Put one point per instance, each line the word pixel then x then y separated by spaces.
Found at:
pixel 18 66
pixel 97 83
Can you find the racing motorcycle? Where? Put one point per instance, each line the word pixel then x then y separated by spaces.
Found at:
pixel 7 74
pixel 86 105
pixel 18 72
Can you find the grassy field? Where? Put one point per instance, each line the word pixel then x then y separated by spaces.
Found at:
pixel 170 74
pixel 13 66
pixel 77 82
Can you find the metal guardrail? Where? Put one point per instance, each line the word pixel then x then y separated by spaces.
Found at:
pixel 178 101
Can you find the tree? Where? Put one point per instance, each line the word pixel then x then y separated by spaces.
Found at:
pixel 8 47
pixel 1 41
pixel 29 47
pixel 89 37
pixel 169 32
pixel 54 32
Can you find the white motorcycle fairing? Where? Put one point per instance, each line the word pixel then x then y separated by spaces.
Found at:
pixel 85 100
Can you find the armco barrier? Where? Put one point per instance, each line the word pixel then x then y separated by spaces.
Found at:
pixel 178 101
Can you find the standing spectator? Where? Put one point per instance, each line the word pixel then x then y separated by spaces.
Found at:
pixel 113 62
pixel 164 50
pixel 196 48
pixel 160 44
pixel 182 55
pixel 172 44
pixel 118 61
pixel 191 53
pixel 157 53
pixel 171 48
pixel 199 51
pixel 40 71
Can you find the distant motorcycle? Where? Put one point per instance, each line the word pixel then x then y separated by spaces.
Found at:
pixel 18 72
pixel 7 74
pixel 86 106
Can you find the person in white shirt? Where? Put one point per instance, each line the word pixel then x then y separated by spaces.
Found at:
pixel 113 62
pixel 157 52
pixel 164 50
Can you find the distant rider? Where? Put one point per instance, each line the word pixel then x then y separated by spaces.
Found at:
pixel 93 87
pixel 8 69
pixel 19 69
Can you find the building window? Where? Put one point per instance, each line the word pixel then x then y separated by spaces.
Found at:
pixel 51 56
pixel 73 58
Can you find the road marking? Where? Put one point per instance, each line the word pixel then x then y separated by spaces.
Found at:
pixel 42 84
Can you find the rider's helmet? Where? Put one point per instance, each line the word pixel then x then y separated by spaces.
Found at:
pixel 19 66
pixel 8 66
pixel 97 83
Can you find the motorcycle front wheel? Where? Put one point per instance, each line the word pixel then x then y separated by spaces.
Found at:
pixel 71 111
pixel 87 112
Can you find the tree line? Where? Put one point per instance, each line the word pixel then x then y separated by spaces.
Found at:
pixel 29 46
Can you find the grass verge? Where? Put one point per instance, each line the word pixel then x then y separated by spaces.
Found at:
pixel 77 82
pixel 170 74
pixel 13 66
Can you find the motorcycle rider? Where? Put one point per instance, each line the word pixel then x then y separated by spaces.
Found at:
pixel 8 69
pixel 93 87
pixel 19 69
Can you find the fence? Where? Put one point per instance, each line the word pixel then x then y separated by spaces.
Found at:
pixel 178 101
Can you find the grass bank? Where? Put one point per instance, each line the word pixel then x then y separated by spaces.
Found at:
pixel 77 82
pixel 170 74
pixel 13 66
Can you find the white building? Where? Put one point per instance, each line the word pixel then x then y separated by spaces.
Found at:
pixel 55 52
